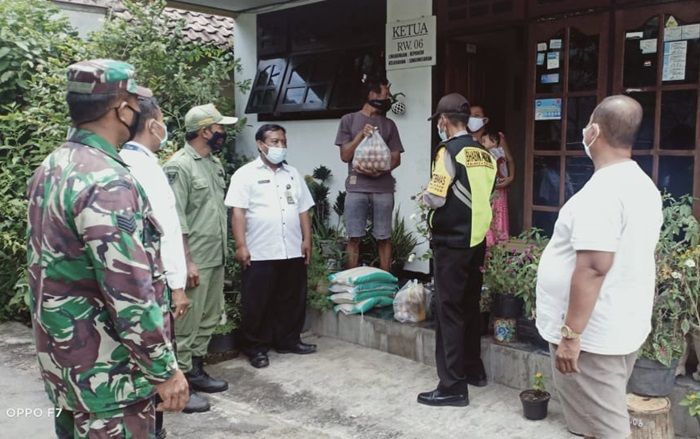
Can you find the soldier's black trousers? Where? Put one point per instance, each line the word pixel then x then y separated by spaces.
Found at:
pixel 458 281
pixel 273 304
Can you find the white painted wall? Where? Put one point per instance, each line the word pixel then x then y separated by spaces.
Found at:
pixel 311 143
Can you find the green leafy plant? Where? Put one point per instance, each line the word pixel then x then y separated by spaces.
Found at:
pixel 692 401
pixel 403 242
pixel 233 315
pixel 317 296
pixel 511 268
pixel 538 383
pixel 37 43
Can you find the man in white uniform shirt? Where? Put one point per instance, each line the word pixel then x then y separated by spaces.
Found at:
pixel 272 230
pixel 140 156
pixel 596 278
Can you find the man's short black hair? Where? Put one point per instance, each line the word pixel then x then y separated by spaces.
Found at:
pixel 619 118
pixel 373 84
pixel 88 107
pixel 457 118
pixel 149 110
pixel 261 134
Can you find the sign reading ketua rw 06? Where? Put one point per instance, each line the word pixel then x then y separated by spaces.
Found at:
pixel 410 43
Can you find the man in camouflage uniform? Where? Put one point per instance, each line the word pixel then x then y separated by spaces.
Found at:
pixel 95 272
pixel 197 179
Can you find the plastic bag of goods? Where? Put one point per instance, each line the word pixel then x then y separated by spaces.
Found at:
pixel 361 275
pixel 372 155
pixel 409 303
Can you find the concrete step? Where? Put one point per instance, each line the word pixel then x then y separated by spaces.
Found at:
pixel 512 365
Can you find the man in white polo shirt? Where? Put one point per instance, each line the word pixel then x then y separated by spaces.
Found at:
pixel 272 230
pixel 595 283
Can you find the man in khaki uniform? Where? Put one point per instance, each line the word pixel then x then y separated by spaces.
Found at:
pixel 197 179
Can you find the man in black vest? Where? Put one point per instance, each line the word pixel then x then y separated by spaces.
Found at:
pixel 459 195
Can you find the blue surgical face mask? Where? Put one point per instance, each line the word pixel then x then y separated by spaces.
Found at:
pixel 476 123
pixel 276 154
pixel 164 140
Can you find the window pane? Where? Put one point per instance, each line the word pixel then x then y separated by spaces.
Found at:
pixel 680 48
pixel 641 57
pixel 646 162
pixel 578 171
pixel 294 95
pixel 645 138
pixel 583 61
pixel 545 221
pixel 578 113
pixel 270 96
pixel 676 175
pixel 548 134
pixel 301 73
pixel 546 181
pixel 316 94
pixel 678 110
pixel 549 73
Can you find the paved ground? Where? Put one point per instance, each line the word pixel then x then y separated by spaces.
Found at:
pixel 343 391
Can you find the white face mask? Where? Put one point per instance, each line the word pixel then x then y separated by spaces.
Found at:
pixel 587 147
pixel 442 133
pixel 276 154
pixel 164 140
pixel 475 123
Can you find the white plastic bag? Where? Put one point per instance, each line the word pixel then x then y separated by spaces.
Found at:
pixel 372 155
pixel 409 303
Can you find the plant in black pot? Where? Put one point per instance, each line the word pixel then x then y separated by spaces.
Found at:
pixel 692 401
pixel 535 400
pixel 223 340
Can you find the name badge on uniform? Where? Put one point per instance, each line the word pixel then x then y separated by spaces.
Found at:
pixel 353 179
pixel 263 181
pixel 288 194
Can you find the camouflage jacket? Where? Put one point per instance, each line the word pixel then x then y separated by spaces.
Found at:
pixel 95 277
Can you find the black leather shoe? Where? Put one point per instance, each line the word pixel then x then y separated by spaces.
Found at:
pixel 200 380
pixel 477 381
pixel 162 433
pixel 196 404
pixel 437 398
pixel 300 348
pixel 259 360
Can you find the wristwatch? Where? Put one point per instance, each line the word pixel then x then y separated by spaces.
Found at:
pixel 569 334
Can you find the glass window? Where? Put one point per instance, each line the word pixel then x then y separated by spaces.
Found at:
pixel 680 48
pixel 583 61
pixel 546 181
pixel 579 111
pixel 641 57
pixel 266 85
pixel 545 221
pixel 676 175
pixel 549 68
pixel 646 162
pixel 678 112
pixel 645 138
pixel 578 171
pixel 548 135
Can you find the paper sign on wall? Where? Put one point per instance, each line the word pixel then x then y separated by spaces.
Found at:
pixel 552 60
pixel 547 109
pixel 540 58
pixel 555 43
pixel 673 33
pixel 674 60
pixel 648 46
pixel 690 31
pixel 550 78
pixel 410 43
pixel 541 47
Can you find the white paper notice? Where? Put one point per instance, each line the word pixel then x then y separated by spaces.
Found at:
pixel 541 47
pixel 634 35
pixel 648 46
pixel 673 33
pixel 691 31
pixel 552 60
pixel 674 60
pixel 555 43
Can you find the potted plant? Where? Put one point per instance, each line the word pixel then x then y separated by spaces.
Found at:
pixel 223 339
pixel 498 270
pixel 535 400
pixel 692 401
pixel 675 311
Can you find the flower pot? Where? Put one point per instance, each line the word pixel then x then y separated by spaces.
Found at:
pixel 651 378
pixel 534 404
pixel 221 343
pixel 504 330
pixel 528 333
pixel 507 306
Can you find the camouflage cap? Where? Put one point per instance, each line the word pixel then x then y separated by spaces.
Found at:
pixel 104 76
pixel 202 116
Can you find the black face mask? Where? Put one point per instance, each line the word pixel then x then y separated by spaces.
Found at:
pixel 216 143
pixel 134 122
pixel 382 105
